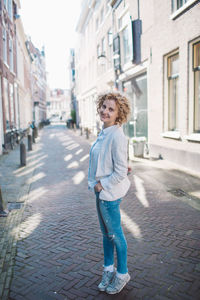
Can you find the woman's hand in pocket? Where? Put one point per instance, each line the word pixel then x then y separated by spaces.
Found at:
pixel 98 187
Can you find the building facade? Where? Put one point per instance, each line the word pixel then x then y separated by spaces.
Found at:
pixel 59 105
pixel 8 69
pixel 72 87
pixel 23 79
pixel 140 48
pixel 38 81
pixel 23 84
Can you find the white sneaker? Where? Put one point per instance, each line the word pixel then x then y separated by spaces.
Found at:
pixel 106 279
pixel 117 284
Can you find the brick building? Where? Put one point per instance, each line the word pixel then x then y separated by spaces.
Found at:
pixel 8 70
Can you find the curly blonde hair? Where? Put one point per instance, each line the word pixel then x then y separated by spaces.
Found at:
pixel 122 103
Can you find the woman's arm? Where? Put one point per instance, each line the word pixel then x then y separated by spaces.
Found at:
pixel 119 156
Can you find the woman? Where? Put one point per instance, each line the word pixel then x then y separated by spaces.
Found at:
pixel 107 177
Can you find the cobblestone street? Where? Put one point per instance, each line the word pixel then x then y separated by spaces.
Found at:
pixel 54 244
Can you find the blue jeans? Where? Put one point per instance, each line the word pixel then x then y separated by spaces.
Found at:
pixel 113 236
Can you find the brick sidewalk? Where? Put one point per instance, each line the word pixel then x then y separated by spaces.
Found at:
pixel 14 182
pixel 59 252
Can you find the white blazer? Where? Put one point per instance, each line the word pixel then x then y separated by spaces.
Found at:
pixel 112 165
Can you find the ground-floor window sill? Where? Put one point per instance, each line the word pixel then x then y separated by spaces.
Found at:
pixel 194 137
pixel 172 135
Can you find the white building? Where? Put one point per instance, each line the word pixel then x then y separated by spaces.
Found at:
pixel 140 48
pixel 59 104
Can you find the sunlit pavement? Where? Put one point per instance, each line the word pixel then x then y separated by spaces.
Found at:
pixel 59 248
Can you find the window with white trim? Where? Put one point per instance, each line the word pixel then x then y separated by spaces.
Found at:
pixel 102 14
pixel 11 91
pixel 6 101
pixel 5 3
pixel 5 45
pixel 98 51
pixel 126 45
pixel 11 54
pixel 176 4
pixel 196 70
pixel 10 9
pixel 179 6
pixel 173 78
pixel 97 24
pixel 107 5
pixel 125 29
pixel 103 46
pixel 110 46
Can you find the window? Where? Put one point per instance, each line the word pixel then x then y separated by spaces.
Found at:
pixel 107 5
pixel 126 45
pixel 11 103
pixel 103 46
pixel 5 3
pixel 172 76
pixel 4 45
pixel 102 14
pixel 181 5
pixel 98 50
pixel 97 24
pixel 176 4
pixel 10 9
pixel 110 37
pixel 110 43
pixel 6 101
pixel 123 21
pixel 196 68
pixel 11 54
pixel 16 105
pixel 116 52
pixel 136 90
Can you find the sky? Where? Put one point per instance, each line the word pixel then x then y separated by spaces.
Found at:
pixel 52 24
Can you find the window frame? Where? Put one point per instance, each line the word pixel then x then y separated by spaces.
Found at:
pixel 11 55
pixel 5 3
pixel 5 46
pixel 126 45
pixel 97 24
pixel 103 46
pixel 10 9
pixel 172 78
pixel 102 15
pixel 6 103
pixel 175 12
pixel 195 68
pixel 98 50
pixel 167 131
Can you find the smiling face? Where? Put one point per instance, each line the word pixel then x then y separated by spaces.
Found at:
pixel 108 113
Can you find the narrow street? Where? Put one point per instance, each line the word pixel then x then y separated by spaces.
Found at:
pixel 59 248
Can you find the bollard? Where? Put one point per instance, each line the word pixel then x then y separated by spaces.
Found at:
pixel 35 130
pixel 33 136
pixel 22 154
pixel 29 142
pixel 87 133
pixel 3 213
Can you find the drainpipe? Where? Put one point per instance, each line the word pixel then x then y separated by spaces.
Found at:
pixel 138 7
